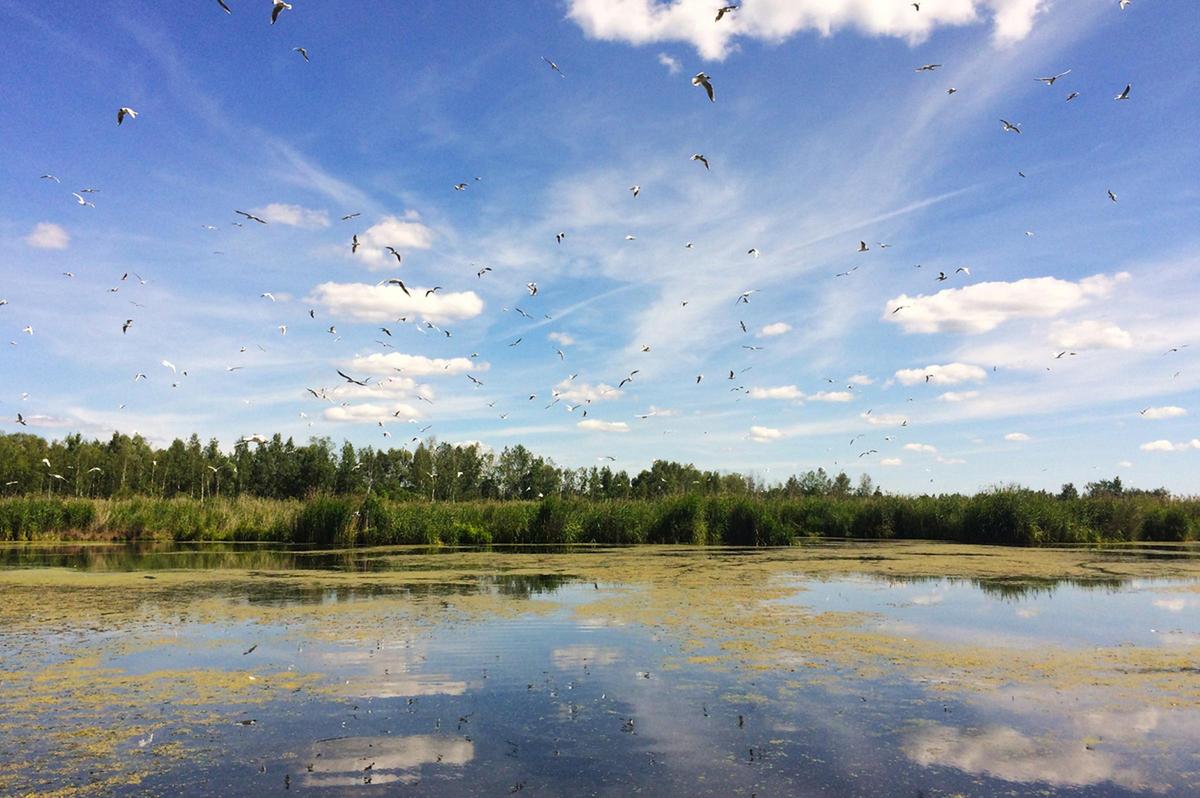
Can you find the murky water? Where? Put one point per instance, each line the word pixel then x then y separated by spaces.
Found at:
pixel 866 669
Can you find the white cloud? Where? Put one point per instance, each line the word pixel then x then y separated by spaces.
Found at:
pixel 413 365
pixel 293 215
pixel 778 328
pixel 1125 464
pixel 561 338
pixel 603 426
pixel 1089 335
pixel 924 448
pixel 984 306
pixel 832 396
pixel 372 413
pixel 885 420
pixel 860 379
pixel 1158 413
pixel 47 235
pixel 1016 437
pixel 1167 446
pixel 673 66
pixel 385 303
pixel 765 434
pixel 581 392
pixel 957 396
pixel 949 374
pixel 390 231
pixel 691 21
pixel 777 392
pixel 891 461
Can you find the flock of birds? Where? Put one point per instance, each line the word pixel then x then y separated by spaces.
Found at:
pixel 562 393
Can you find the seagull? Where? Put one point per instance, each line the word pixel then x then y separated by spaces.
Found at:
pixel 21 420
pixel 27 329
pixel 1125 3
pixel 1124 95
pixel 1050 80
pixel 965 270
pixel 951 90
pixel 351 380
pixel 302 52
pixel 81 200
pixel 1111 195
pixel 169 365
pixel 698 378
pixel 395 281
pixel 927 68
pixel 704 80
pixel 283 329
pixel 514 343
pixel 862 246
pixel 744 298
pixel 1009 127
pixel 559 237
pixel 433 290
pixel 354 245
pixel 752 252
pixel 50 177
pixel 533 289
pixel 350 216
pixel 125 327
pixel 942 277
pixel 267 295
pixel 223 5
pixel 392 250
pixel 898 309
pixel 631 238
pixel 460 186
pixel 278 9
pixel 125 112
pixel 636 190
pixel 554 66
pixel 846 273
pixel 916 6
pixel 483 271
pixel 723 10
pixel 251 217
pixel 1072 96
pixel 701 159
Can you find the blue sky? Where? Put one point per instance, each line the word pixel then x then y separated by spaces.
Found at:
pixel 823 134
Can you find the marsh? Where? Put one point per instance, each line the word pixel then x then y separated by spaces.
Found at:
pixel 828 669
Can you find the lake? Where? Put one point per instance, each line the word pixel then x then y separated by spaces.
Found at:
pixel 834 669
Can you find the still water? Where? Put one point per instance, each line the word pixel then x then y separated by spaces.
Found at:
pixel 831 670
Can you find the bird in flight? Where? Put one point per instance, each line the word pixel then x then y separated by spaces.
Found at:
pixel 1009 127
pixel 862 246
pixel 704 80
pixel 553 66
pixel 701 159
pixel 50 177
pixel 125 327
pixel 354 244
pixel 125 112
pixel 1124 95
pixel 302 52
pixel 483 271
pixel 224 6
pixel 1111 195
pixel 927 68
pixel 723 10
pixel 1049 81
pixel 393 251
pixel 350 216
pixel 351 380
pixel 250 216
pixel 558 237
pixel 636 190
pixel 433 290
pixel 278 8
pixel 752 252
pixel 1072 96
pixel 460 186
pixel 532 288
pixel 398 282
pixel 79 198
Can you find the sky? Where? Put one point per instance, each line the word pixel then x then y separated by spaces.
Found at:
pixel 823 134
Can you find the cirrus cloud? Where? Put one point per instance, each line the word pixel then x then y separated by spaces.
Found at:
pixel 293 215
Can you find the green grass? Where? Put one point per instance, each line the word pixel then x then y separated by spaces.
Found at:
pixel 1014 517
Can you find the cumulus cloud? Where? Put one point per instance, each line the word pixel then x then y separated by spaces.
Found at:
pixel 381 304
pixel 413 365
pixel 581 392
pixel 47 235
pixel 561 338
pixel 778 328
pixel 673 66
pixel 777 392
pixel 391 231
pixel 603 426
pixel 923 448
pixel 957 396
pixel 371 412
pixel 765 434
pixel 1158 413
pixel 293 215
pixel 1089 335
pixel 1167 446
pixel 831 396
pixel 949 374
pixel 1016 437
pixel 691 21
pixel 860 379
pixel 884 420
pixel 891 461
pixel 982 307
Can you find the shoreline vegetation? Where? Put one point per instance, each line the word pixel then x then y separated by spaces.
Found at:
pixel 1010 516
pixel 445 494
